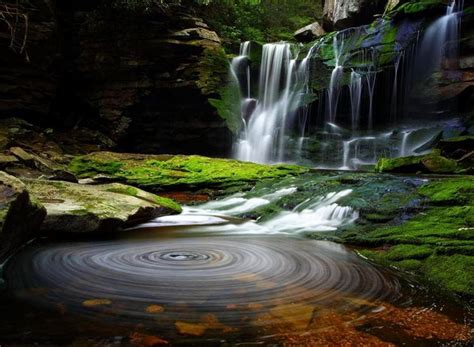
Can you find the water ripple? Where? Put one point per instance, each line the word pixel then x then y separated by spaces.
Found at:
pixel 191 276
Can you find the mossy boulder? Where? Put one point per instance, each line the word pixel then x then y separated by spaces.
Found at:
pixel 177 172
pixel 429 163
pixel 20 215
pixel 78 208
pixel 437 242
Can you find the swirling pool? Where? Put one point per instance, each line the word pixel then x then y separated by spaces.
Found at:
pixel 210 277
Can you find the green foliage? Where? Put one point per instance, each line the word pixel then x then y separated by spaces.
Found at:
pixel 260 21
pixel 214 81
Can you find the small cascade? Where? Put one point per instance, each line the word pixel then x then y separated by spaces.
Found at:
pixel 403 147
pixel 264 138
pixel 355 89
pixel 336 76
pixel 440 42
pixel 394 100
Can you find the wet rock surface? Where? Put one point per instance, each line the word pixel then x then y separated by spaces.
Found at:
pixel 20 215
pixel 75 208
pixel 113 71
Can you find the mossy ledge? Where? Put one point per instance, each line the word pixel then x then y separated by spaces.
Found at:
pixel 437 242
pixel 177 172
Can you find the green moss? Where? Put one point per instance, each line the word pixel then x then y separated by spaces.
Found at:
pixel 168 203
pixel 402 252
pixel 409 265
pixel 213 70
pixel 437 242
pixel 190 172
pixel 430 163
pixel 105 167
pixel 452 272
pixel 448 191
pixel 127 190
pixel 417 6
pixel 469 10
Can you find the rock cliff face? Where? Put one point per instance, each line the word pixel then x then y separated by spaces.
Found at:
pixel 340 14
pixel 28 59
pixel 136 77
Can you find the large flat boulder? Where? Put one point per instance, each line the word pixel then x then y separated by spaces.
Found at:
pixel 176 172
pixel 20 215
pixel 78 208
pixel 309 32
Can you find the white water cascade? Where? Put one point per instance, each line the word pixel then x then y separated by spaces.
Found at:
pixel 279 125
pixel 355 89
pixel 439 41
pixel 263 139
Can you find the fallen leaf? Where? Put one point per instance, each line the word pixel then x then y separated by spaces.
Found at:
pixel 190 328
pixel 96 302
pixel 138 339
pixel 154 309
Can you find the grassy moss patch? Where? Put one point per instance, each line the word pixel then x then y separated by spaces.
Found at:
pixel 437 242
pixel 164 172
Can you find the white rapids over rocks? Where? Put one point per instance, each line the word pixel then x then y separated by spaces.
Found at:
pixel 316 214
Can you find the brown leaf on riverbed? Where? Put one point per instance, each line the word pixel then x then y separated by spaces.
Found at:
pixel 153 309
pixel 96 302
pixel 190 328
pixel 138 339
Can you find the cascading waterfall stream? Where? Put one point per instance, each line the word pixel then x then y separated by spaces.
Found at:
pixel 275 123
pixel 279 98
pixel 440 41
pixel 356 94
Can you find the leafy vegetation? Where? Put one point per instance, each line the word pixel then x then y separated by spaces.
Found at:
pixel 260 21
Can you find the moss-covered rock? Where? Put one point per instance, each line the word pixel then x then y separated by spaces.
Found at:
pixel 20 215
pixel 167 172
pixel 429 163
pixel 416 7
pixel 437 242
pixel 76 208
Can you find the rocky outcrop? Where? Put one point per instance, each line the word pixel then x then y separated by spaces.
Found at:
pixel 20 215
pixel 29 58
pixel 309 32
pixel 340 14
pixel 141 76
pixel 76 208
pixel 135 77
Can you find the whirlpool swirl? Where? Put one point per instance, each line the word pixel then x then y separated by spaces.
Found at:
pixel 225 276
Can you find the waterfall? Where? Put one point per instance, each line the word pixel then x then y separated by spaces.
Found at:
pixel 439 41
pixel 277 121
pixel 264 138
pixel 403 147
pixel 336 75
pixel 394 101
pixel 355 90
